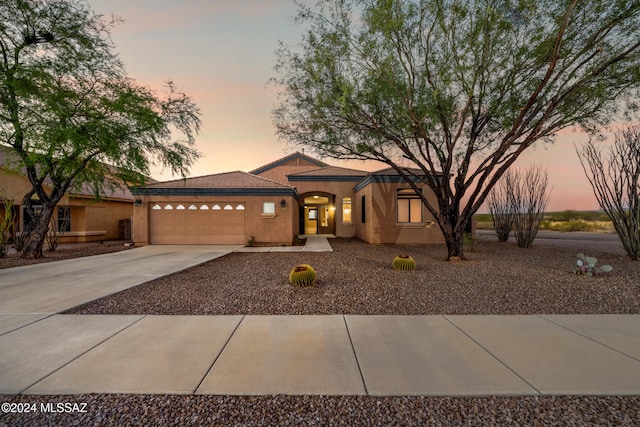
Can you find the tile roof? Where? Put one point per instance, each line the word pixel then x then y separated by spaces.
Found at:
pixel 235 180
pixel 10 161
pixel 331 171
pixel 296 155
pixel 392 172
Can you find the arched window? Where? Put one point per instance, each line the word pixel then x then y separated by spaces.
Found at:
pixel 239 208
pixel 168 208
pixel 228 208
pixel 156 207
pixel 204 208
pixel 216 207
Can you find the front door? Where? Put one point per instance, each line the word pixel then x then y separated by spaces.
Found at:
pixel 311 220
pixel 325 220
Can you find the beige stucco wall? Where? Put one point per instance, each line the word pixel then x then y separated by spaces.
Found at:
pixel 381 217
pixel 340 190
pixel 96 220
pixel 90 220
pixel 278 229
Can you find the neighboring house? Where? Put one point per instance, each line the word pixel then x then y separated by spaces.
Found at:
pixel 79 215
pixel 275 203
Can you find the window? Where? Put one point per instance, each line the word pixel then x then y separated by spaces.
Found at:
pixel 180 207
pixel 269 208
pixel 156 207
pixel 409 206
pixel 239 208
pixel 346 209
pixel 362 209
pixel 216 207
pixel 228 208
pixel 168 208
pixel 193 208
pixel 64 218
pixel 204 208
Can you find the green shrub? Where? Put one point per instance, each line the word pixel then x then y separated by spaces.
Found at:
pixel 302 276
pixel 404 263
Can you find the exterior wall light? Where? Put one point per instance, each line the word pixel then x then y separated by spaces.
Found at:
pixel 137 203
pixel 283 203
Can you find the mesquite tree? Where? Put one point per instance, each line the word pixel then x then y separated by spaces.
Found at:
pixel 70 114
pixel 456 88
pixel 614 175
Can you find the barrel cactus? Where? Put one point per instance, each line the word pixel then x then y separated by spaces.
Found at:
pixel 404 262
pixel 302 276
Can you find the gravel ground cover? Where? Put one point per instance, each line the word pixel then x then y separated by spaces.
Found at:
pixel 172 410
pixel 357 278
pixel 64 251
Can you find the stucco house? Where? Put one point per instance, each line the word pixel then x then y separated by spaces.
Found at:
pixel 79 215
pixel 273 204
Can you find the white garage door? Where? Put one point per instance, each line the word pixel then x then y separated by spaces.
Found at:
pixel 193 224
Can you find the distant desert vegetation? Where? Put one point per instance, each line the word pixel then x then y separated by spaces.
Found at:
pixel 566 221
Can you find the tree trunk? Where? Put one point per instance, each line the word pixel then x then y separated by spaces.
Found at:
pixel 454 247
pixel 453 235
pixel 33 247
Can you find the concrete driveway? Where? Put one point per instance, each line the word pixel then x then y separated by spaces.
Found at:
pixel 44 289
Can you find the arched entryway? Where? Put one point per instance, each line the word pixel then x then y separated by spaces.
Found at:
pixel 317 213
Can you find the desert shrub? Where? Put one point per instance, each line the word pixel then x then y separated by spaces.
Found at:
pixel 529 200
pixel 500 203
pixel 5 227
pixel 615 179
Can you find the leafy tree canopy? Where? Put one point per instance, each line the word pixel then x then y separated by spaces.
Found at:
pixel 458 88
pixel 70 112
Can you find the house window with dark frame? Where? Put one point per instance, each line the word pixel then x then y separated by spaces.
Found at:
pixel 409 206
pixel 64 218
pixel 362 209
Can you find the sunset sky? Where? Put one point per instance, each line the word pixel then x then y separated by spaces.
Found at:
pixel 221 53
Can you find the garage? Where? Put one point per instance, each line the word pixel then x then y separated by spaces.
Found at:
pixel 197 223
pixel 230 208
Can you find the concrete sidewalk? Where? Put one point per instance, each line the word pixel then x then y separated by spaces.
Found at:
pixel 327 355
pixel 312 244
